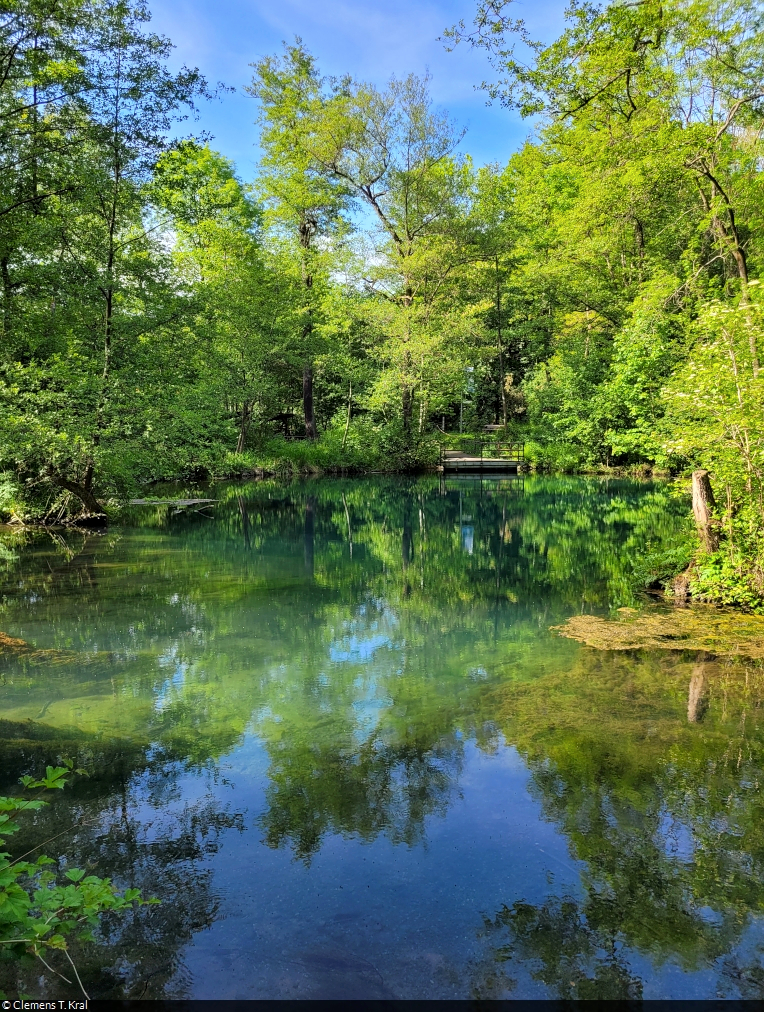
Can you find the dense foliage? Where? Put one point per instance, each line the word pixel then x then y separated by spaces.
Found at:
pixel 598 296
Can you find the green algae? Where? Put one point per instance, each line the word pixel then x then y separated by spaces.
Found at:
pixel 723 633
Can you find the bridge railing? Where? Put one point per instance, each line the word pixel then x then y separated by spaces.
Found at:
pixel 482 446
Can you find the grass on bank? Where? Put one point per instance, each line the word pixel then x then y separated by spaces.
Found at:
pixel 362 449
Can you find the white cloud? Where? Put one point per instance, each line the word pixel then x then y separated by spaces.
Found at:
pixel 370 40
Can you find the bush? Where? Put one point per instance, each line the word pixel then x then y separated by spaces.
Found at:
pixel 38 913
pixel 723 579
pixel 555 457
pixel 11 505
pixel 367 447
pixel 657 566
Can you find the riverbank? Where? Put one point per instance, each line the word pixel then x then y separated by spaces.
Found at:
pixel 729 574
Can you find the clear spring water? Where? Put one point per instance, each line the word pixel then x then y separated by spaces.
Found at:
pixel 329 726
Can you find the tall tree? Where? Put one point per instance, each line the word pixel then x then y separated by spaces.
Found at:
pixel 681 80
pixel 67 411
pixel 397 154
pixel 243 303
pixel 304 203
pixel 389 150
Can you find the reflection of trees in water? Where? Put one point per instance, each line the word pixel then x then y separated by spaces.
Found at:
pixel 378 788
pixel 665 813
pixel 185 590
pixel 248 606
pixel 309 537
pixel 697 699
pixel 564 540
pixel 140 836
pixel 742 976
pixel 575 957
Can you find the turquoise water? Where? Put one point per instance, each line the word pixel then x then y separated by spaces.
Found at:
pixel 331 727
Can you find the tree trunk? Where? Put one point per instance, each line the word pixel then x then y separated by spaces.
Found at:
pixel 406 407
pixel 741 263
pixel 246 414
pixel 307 229
pixel 350 407
pixel 501 349
pixel 7 297
pixel 729 237
pixel 307 401
pixel 702 508
pixel 84 494
pixel 309 534
pixel 111 259
pixel 407 400
pixel 406 393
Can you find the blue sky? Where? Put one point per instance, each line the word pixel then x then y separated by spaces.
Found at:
pixel 369 40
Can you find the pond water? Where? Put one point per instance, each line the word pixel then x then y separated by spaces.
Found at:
pixel 330 726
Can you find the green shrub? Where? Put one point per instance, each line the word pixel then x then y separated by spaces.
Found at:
pixel 10 497
pixel 658 565
pixel 554 456
pixel 725 579
pixel 39 912
pixel 365 447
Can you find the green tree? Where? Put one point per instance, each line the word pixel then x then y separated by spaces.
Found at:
pixel 242 303
pixel 67 413
pixel 305 206
pixel 392 152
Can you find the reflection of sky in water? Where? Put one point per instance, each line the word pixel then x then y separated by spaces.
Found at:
pixel 368 710
pixel 370 630
pixel 468 539
pixel 369 721
pixel 353 649
pixel 171 685
pixel 676 838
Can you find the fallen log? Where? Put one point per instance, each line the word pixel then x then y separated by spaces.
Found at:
pixel 20 649
pixel 170 502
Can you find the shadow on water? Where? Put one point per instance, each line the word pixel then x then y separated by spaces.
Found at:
pixel 329 727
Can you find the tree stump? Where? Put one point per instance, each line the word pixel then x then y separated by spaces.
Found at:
pixel 703 509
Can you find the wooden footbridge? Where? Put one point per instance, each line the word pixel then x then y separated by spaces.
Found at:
pixel 479 456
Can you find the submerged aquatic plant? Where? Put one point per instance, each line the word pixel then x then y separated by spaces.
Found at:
pixel 698 628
